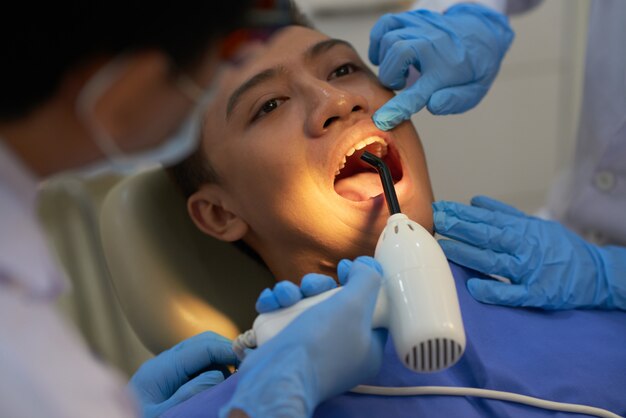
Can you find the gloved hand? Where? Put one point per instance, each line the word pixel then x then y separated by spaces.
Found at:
pixel 179 373
pixel 458 55
pixel 550 267
pixel 286 293
pixel 325 351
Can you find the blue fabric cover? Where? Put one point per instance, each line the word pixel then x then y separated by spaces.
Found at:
pixel 567 356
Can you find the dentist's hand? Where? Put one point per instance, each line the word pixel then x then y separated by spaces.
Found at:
pixel 286 293
pixel 325 351
pixel 458 55
pixel 179 373
pixel 550 267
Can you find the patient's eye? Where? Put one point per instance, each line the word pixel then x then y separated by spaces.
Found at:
pixel 268 107
pixel 343 70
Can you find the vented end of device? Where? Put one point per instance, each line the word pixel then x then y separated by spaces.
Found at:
pixel 433 355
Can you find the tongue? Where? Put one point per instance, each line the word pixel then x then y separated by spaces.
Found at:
pixel 359 187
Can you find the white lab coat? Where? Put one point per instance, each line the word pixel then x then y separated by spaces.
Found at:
pixel 45 368
pixel 590 197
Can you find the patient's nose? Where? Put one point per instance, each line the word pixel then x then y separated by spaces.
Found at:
pixel 330 106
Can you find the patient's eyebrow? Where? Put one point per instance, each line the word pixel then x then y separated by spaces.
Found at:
pixel 324 46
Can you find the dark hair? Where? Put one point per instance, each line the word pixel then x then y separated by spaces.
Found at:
pixel 193 172
pixel 41 41
pixel 196 170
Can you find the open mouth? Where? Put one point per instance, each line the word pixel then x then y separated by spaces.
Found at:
pixel 358 181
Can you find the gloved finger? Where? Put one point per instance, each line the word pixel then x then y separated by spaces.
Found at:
pixel 386 23
pixel 196 385
pixel 483 260
pixel 495 205
pixel 460 211
pixel 404 104
pixel 389 116
pixel 267 302
pixel 415 35
pixel 287 293
pixel 394 67
pixel 159 377
pixel 196 354
pixel 478 234
pixel 314 283
pixel 344 266
pixel 497 293
pixel 371 262
pixel 343 270
pixel 457 99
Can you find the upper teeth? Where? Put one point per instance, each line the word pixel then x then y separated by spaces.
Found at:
pixel 380 150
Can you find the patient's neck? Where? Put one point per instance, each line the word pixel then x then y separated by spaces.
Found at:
pixel 289 262
pixel 293 265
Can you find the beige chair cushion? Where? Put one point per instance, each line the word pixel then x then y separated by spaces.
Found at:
pixel 68 208
pixel 173 281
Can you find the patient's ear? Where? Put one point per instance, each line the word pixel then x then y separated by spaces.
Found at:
pixel 211 215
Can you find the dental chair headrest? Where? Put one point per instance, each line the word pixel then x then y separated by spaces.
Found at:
pixel 172 280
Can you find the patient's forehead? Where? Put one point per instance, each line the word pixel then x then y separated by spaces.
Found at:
pixel 285 48
pixel 285 45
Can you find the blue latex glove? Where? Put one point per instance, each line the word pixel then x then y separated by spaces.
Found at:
pixel 550 267
pixel 458 55
pixel 327 350
pixel 286 293
pixel 177 374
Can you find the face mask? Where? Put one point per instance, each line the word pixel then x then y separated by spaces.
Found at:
pixel 170 151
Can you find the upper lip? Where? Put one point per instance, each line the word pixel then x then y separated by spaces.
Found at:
pixel 352 136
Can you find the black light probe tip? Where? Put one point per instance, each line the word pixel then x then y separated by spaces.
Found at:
pixel 386 179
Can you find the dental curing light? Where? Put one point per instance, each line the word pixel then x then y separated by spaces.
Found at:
pixel 417 302
pixel 423 314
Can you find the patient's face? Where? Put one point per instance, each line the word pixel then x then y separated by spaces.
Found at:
pixel 282 136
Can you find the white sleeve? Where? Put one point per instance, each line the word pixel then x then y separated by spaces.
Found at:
pixel 502 6
pixel 47 371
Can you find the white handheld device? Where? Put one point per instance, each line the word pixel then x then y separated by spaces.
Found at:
pixel 417 302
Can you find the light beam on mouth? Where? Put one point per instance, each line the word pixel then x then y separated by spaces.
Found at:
pixel 356 180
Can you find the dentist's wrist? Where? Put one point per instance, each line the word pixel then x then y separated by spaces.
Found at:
pixel 612 275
